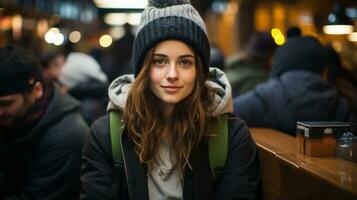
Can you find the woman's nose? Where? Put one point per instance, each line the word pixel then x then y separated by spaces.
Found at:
pixel 172 72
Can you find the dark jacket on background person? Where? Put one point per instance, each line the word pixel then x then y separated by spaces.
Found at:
pixel 295 91
pixel 90 88
pixel 44 163
pixel 295 96
pixel 240 178
pixel 93 97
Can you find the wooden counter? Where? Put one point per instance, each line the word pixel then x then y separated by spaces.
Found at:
pixel 287 174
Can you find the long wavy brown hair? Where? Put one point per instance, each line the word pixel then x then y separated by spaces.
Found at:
pixel 189 124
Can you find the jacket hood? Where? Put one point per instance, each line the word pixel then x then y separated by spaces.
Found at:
pixel 119 89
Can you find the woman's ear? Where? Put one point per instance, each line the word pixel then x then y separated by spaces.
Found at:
pixel 37 90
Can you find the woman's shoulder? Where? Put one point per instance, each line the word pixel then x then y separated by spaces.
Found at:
pixel 238 132
pixel 102 123
pixel 241 168
pixel 99 131
pixel 236 124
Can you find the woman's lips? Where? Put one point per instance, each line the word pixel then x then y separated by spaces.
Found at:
pixel 171 89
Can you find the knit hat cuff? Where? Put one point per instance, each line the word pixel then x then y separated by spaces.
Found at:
pixel 171 27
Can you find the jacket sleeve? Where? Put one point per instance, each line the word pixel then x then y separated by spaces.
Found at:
pixel 241 176
pixel 53 173
pixel 97 168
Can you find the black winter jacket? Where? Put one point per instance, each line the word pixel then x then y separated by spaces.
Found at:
pixel 296 95
pixel 45 163
pixel 239 180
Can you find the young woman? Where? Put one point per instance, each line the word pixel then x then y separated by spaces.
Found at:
pixel 168 110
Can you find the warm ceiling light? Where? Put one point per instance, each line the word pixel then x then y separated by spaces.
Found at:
pixel 54 36
pixel 117 32
pixel 105 40
pixel 121 4
pixel 337 29
pixel 17 26
pixel 275 32
pixel 279 40
pixel 42 27
pixel 119 19
pixel 54 30
pixel 50 37
pixel 59 39
pixel 278 36
pixel 134 19
pixel 75 36
pixel 352 37
pixel 338 22
pixel 115 19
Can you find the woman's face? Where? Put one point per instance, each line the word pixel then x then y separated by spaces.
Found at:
pixel 172 72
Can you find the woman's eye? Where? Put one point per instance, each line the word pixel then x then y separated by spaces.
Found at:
pixel 185 62
pixel 158 62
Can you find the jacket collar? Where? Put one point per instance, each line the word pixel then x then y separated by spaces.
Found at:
pixel 136 173
pixel 58 107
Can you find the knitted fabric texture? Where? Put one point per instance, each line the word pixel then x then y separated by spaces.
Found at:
pixel 170 19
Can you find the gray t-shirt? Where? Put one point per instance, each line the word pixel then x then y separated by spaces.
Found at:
pixel 164 182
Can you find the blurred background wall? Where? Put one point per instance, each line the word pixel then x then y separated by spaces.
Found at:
pixel 86 25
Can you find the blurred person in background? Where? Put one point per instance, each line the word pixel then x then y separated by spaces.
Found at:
pixel 52 64
pixel 295 91
pixel 83 78
pixel 340 77
pixel 41 132
pixel 247 69
pixel 103 57
pixel 121 53
pixel 293 31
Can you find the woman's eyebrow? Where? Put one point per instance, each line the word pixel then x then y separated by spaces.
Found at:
pixel 166 56
pixel 188 55
pixel 160 55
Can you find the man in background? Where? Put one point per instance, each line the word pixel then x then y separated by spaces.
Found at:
pixel 41 133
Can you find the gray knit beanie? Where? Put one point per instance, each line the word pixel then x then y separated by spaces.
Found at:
pixel 170 19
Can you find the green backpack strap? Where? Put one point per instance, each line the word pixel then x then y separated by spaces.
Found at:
pixel 116 130
pixel 218 145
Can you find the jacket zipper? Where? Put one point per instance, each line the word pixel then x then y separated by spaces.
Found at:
pixel 126 173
